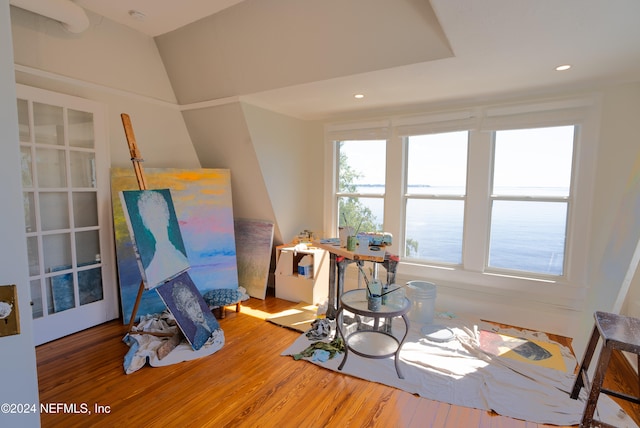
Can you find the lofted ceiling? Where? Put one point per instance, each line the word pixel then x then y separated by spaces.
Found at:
pixel 476 49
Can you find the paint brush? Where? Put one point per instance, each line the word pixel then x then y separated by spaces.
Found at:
pixel 346 223
pixel 366 280
pixel 358 229
pixel 391 291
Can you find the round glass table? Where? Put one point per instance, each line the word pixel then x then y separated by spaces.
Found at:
pixel 377 340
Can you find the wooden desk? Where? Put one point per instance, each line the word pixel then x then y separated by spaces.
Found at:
pixel 340 258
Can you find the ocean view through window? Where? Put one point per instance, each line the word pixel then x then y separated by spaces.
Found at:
pixel 435 196
pixel 532 170
pixel 529 176
pixel 489 197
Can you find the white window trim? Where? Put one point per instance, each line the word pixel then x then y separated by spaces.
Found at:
pixel 567 291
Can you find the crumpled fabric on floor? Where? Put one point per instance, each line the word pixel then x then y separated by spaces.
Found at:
pixel 143 347
pixel 458 372
pixel 320 329
pixel 336 346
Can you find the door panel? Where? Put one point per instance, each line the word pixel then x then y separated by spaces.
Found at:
pixel 65 178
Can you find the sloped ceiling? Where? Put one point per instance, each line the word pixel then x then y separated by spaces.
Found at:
pixel 258 45
pixel 307 59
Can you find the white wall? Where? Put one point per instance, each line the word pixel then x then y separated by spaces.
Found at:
pixel 616 213
pixel 291 158
pixel 221 139
pixel 275 162
pixel 18 359
pixel 112 64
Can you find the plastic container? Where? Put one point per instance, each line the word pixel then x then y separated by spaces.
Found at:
pixel 422 295
pixel 305 267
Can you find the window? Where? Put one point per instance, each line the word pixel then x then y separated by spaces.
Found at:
pixel 490 196
pixel 531 177
pixel 361 184
pixel 435 196
pixel 530 199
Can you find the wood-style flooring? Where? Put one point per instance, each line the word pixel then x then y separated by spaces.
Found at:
pixel 245 384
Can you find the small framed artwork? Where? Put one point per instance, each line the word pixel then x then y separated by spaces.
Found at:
pixel 9 318
pixel 192 314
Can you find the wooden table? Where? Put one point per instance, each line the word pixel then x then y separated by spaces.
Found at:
pixel 340 258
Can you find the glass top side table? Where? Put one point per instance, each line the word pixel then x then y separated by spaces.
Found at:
pixel 376 342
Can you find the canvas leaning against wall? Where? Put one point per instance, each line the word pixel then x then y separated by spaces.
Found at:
pixel 192 315
pixel 203 206
pixel 254 243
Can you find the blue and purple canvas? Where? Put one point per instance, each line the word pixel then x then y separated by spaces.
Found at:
pixel 203 206
pixel 192 314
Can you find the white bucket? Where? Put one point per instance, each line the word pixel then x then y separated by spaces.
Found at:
pixel 422 295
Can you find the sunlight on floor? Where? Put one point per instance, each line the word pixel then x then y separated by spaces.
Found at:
pixel 264 315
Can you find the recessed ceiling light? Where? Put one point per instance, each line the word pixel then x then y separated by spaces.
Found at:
pixel 358 96
pixel 137 15
pixel 563 67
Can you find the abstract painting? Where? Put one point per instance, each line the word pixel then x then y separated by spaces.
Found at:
pixel 254 242
pixel 192 314
pixel 203 206
pixel 158 244
pixel 89 287
pixel 62 290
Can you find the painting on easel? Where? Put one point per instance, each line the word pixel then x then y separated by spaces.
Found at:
pixel 192 314
pixel 158 243
pixel 204 211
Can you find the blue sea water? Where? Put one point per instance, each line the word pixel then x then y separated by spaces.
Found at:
pixel 525 235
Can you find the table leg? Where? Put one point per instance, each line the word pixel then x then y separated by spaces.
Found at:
pixel 333 295
pixel 407 324
pixel 339 319
pixel 391 264
pixel 342 267
pixel 374 274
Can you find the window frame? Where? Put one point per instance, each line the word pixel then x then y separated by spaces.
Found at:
pixel 481 121
pixel 566 199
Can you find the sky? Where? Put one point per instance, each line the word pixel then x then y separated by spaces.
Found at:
pixel 531 157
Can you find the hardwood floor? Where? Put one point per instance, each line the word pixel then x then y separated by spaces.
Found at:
pixel 245 384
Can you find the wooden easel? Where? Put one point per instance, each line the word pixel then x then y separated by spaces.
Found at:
pixel 136 159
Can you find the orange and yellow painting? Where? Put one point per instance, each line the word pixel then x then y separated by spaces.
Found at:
pixel 203 206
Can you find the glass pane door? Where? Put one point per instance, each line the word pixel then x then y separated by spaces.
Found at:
pixel 68 235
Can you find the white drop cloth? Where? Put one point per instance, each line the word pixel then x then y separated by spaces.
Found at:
pixel 144 347
pixel 458 372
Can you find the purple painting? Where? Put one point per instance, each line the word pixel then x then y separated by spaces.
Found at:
pixel 192 314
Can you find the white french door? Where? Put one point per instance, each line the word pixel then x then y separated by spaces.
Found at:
pixel 65 181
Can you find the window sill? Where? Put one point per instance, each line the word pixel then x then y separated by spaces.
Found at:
pixel 557 293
